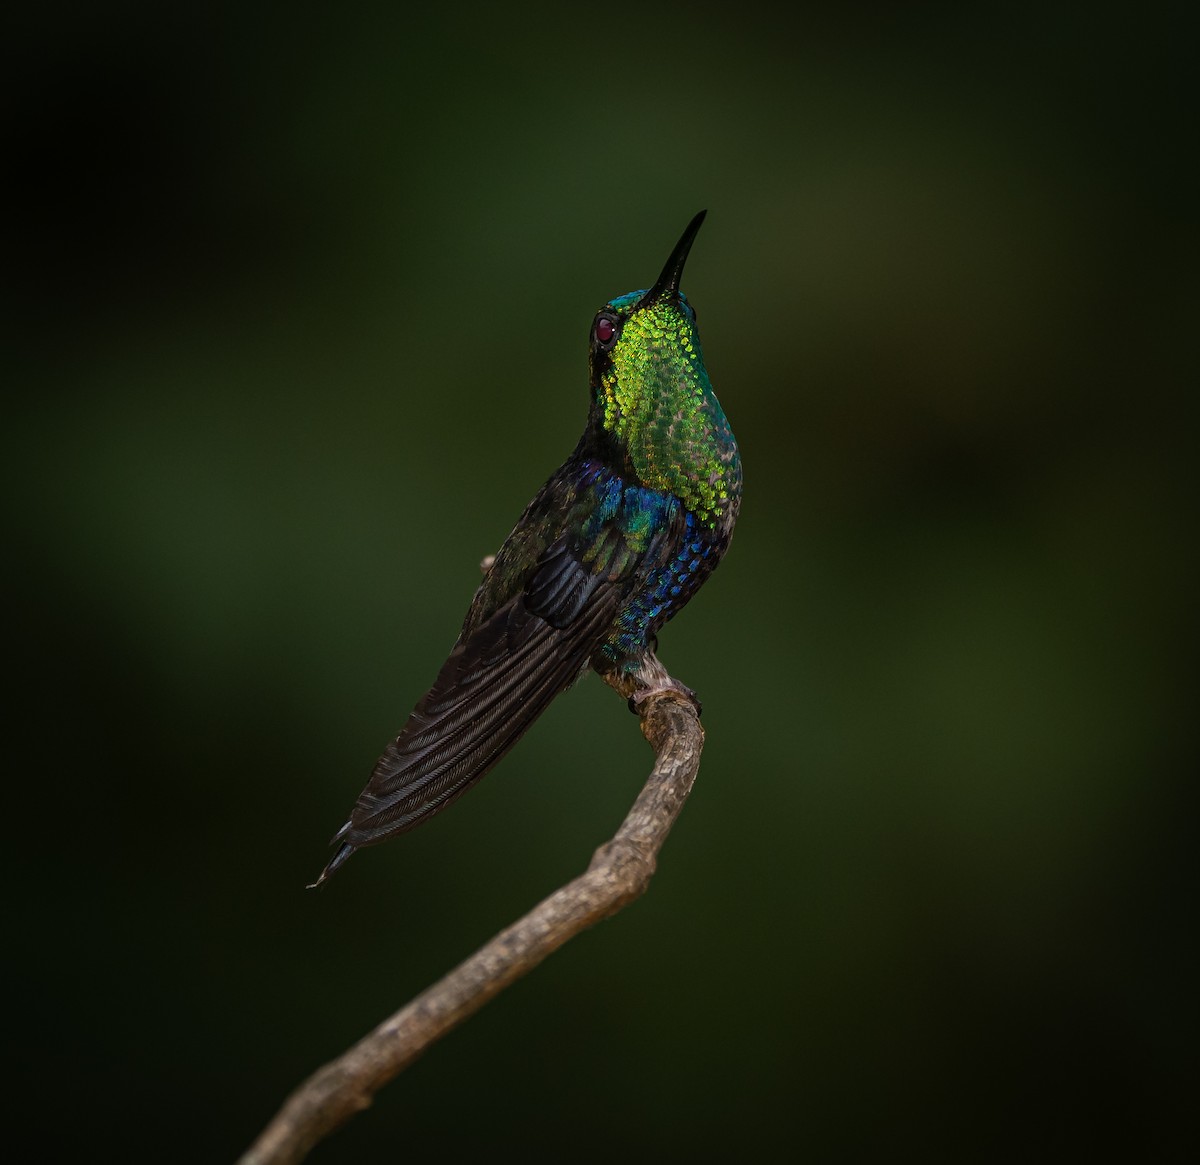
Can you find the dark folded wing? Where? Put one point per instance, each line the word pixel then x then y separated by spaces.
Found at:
pixel 497 681
pixel 517 652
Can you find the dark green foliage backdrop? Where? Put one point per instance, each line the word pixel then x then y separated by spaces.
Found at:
pixel 298 309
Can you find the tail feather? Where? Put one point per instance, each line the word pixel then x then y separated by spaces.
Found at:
pixel 338 860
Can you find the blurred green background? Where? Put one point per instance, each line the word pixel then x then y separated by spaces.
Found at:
pixel 298 305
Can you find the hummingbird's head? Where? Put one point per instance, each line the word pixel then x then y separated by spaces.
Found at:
pixel 653 407
pixel 645 351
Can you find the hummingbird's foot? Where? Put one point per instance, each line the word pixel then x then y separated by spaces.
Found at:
pixel 668 685
pixel 651 678
pixel 486 564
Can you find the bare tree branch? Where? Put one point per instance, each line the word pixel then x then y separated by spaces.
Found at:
pixel 619 872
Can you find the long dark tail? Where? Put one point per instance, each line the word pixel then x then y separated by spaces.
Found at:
pixel 495 684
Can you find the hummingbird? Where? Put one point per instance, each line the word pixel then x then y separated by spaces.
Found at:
pixel 611 547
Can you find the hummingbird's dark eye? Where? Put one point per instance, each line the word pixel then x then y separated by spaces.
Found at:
pixel 605 332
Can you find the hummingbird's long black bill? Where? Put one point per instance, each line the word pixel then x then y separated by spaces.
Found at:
pixel 668 281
